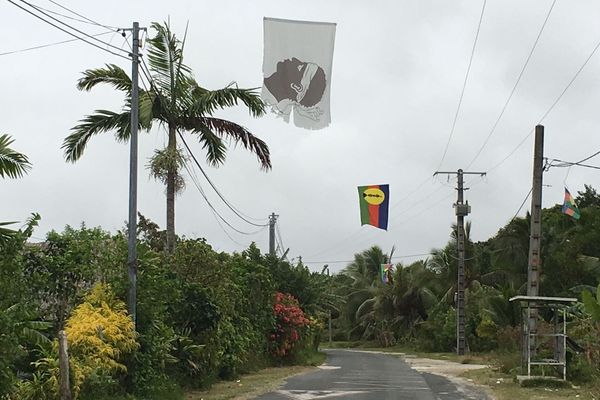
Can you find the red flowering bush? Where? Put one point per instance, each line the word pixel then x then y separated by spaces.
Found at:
pixel 290 323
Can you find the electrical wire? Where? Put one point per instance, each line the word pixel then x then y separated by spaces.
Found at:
pixel 462 93
pixel 522 204
pixel 199 187
pixel 569 164
pixel 278 235
pixel 512 92
pixel 279 239
pixel 72 18
pixel 550 108
pixel 350 261
pixel 90 21
pixel 71 27
pixel 70 33
pixel 227 203
pixel 46 45
pixel 587 158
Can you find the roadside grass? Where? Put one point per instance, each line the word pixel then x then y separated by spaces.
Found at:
pixel 257 383
pixel 504 387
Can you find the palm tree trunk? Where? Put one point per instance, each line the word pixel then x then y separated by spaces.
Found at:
pixel 171 193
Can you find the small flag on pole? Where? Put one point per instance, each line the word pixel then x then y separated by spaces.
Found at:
pixel 569 207
pixel 374 203
pixel 386 270
pixel 298 56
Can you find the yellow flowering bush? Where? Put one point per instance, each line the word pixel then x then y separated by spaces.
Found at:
pixel 100 333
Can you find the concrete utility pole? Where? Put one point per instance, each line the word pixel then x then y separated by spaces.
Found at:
pixel 326 267
pixel 133 164
pixel 272 221
pixel 534 263
pixel 462 210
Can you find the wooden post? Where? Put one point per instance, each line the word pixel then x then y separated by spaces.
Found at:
pixel 63 365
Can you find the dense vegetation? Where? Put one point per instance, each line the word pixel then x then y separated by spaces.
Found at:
pixel 202 315
pixel 417 307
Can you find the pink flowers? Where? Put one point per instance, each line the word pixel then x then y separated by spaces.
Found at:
pixel 290 320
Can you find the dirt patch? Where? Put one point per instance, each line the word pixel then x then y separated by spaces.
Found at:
pixel 450 370
pixel 439 367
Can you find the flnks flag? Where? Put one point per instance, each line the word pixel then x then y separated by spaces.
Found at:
pixel 374 204
pixel 297 70
pixel 386 270
pixel 569 207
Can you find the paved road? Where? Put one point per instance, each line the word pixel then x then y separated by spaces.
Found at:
pixel 369 376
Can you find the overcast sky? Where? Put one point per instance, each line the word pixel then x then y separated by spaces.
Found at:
pixel 398 71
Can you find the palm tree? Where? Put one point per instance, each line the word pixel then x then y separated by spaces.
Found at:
pixel 364 272
pixel 176 101
pixel 12 163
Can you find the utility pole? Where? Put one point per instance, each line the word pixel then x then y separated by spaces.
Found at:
pixel 272 221
pixel 534 264
pixel 133 164
pixel 326 267
pixel 462 210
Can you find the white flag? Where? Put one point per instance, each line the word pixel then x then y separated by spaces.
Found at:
pixel 297 70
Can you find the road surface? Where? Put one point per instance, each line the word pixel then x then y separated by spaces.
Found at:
pixel 370 376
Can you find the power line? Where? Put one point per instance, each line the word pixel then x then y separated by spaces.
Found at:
pixel 350 261
pixel 587 158
pixel 283 248
pixel 551 107
pixel 462 93
pixel 70 33
pixel 69 26
pixel 522 204
pixel 199 187
pixel 569 164
pixel 279 239
pixel 72 18
pixel 89 21
pixel 46 45
pixel 216 217
pixel 512 92
pixel 227 203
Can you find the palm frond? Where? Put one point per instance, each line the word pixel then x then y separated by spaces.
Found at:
pixel 365 308
pixel 212 129
pixel 12 163
pixel 112 75
pixel 206 102
pixel 147 105
pixel 6 234
pixel 101 121
pixel 165 57
pixel 30 224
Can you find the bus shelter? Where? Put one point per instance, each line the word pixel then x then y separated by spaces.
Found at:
pixel 533 339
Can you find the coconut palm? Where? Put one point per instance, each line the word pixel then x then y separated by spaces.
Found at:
pixel 12 163
pixel 176 101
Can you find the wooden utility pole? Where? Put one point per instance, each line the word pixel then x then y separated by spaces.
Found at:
pixel 535 235
pixel 272 221
pixel 63 359
pixel 462 209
